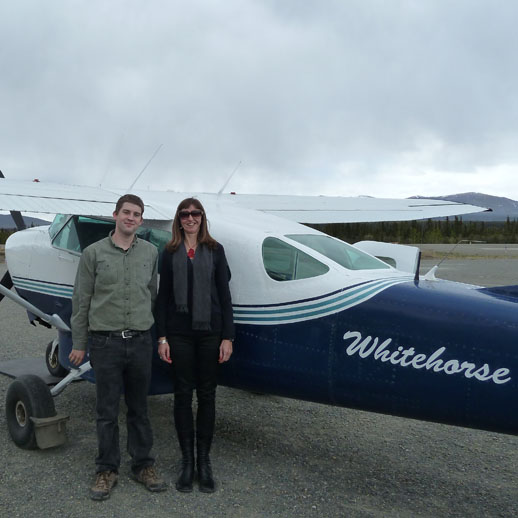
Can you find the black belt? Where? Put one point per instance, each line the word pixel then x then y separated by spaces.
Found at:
pixel 126 333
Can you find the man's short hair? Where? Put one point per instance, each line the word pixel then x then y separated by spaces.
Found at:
pixel 129 198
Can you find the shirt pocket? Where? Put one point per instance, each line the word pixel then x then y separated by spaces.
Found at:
pixel 143 272
pixel 106 273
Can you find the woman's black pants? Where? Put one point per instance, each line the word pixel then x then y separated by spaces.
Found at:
pixel 195 367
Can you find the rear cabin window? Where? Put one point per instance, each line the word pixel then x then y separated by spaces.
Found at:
pixel 340 252
pixel 284 262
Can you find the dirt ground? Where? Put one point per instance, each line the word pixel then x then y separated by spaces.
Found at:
pixel 273 457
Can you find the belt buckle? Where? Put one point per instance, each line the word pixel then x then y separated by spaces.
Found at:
pixel 126 334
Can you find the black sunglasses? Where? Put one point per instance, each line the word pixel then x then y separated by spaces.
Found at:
pixel 184 214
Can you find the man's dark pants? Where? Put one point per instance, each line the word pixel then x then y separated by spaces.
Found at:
pixel 122 365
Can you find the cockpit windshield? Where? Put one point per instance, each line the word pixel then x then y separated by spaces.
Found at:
pixel 340 252
pixel 57 224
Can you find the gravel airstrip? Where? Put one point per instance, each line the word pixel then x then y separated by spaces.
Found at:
pixel 272 457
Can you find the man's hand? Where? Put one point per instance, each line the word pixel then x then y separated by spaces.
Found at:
pixel 76 357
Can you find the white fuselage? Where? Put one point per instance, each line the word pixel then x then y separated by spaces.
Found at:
pixel 35 264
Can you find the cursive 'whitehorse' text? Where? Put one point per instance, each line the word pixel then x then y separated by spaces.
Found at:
pixel 368 346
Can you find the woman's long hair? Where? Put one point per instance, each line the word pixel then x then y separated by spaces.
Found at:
pixel 178 232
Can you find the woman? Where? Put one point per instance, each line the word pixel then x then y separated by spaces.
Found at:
pixel 196 331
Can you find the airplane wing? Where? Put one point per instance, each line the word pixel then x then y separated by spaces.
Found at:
pixel 54 198
pixel 330 209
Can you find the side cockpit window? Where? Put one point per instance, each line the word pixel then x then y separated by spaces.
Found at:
pixel 67 237
pixel 79 232
pixel 284 262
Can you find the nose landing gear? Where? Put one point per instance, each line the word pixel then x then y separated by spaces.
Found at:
pixel 52 360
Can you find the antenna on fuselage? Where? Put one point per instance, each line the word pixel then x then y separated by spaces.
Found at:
pixel 456 245
pixel 230 177
pixel 145 167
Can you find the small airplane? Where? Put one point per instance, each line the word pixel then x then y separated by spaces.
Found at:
pixel 316 318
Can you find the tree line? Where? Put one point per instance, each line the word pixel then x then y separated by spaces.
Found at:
pixel 425 231
pixel 4 234
pixel 411 232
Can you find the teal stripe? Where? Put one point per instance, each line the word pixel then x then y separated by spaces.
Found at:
pixel 365 289
pixel 303 313
pixel 307 307
pixel 42 287
pixel 306 314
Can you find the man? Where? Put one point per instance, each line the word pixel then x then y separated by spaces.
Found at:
pixel 114 294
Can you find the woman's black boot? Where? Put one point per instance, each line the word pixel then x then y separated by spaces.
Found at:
pixel 205 479
pixel 184 482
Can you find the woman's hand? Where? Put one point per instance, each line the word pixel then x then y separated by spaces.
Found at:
pixel 164 351
pixel 225 350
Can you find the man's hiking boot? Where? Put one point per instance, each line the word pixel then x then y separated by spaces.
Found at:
pixel 104 482
pixel 149 477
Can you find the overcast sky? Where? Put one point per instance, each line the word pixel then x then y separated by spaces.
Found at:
pixel 339 97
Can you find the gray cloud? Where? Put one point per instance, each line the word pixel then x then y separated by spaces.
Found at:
pixel 325 95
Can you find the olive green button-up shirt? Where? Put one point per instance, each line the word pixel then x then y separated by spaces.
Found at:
pixel 114 289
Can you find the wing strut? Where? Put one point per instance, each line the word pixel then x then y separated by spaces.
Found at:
pixel 54 320
pixel 6 282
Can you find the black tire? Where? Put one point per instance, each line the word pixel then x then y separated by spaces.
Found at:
pixel 52 360
pixel 27 396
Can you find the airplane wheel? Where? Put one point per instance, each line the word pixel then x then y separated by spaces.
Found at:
pixel 27 396
pixel 52 360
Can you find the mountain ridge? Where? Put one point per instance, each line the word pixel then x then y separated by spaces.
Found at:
pixel 7 223
pixel 501 207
